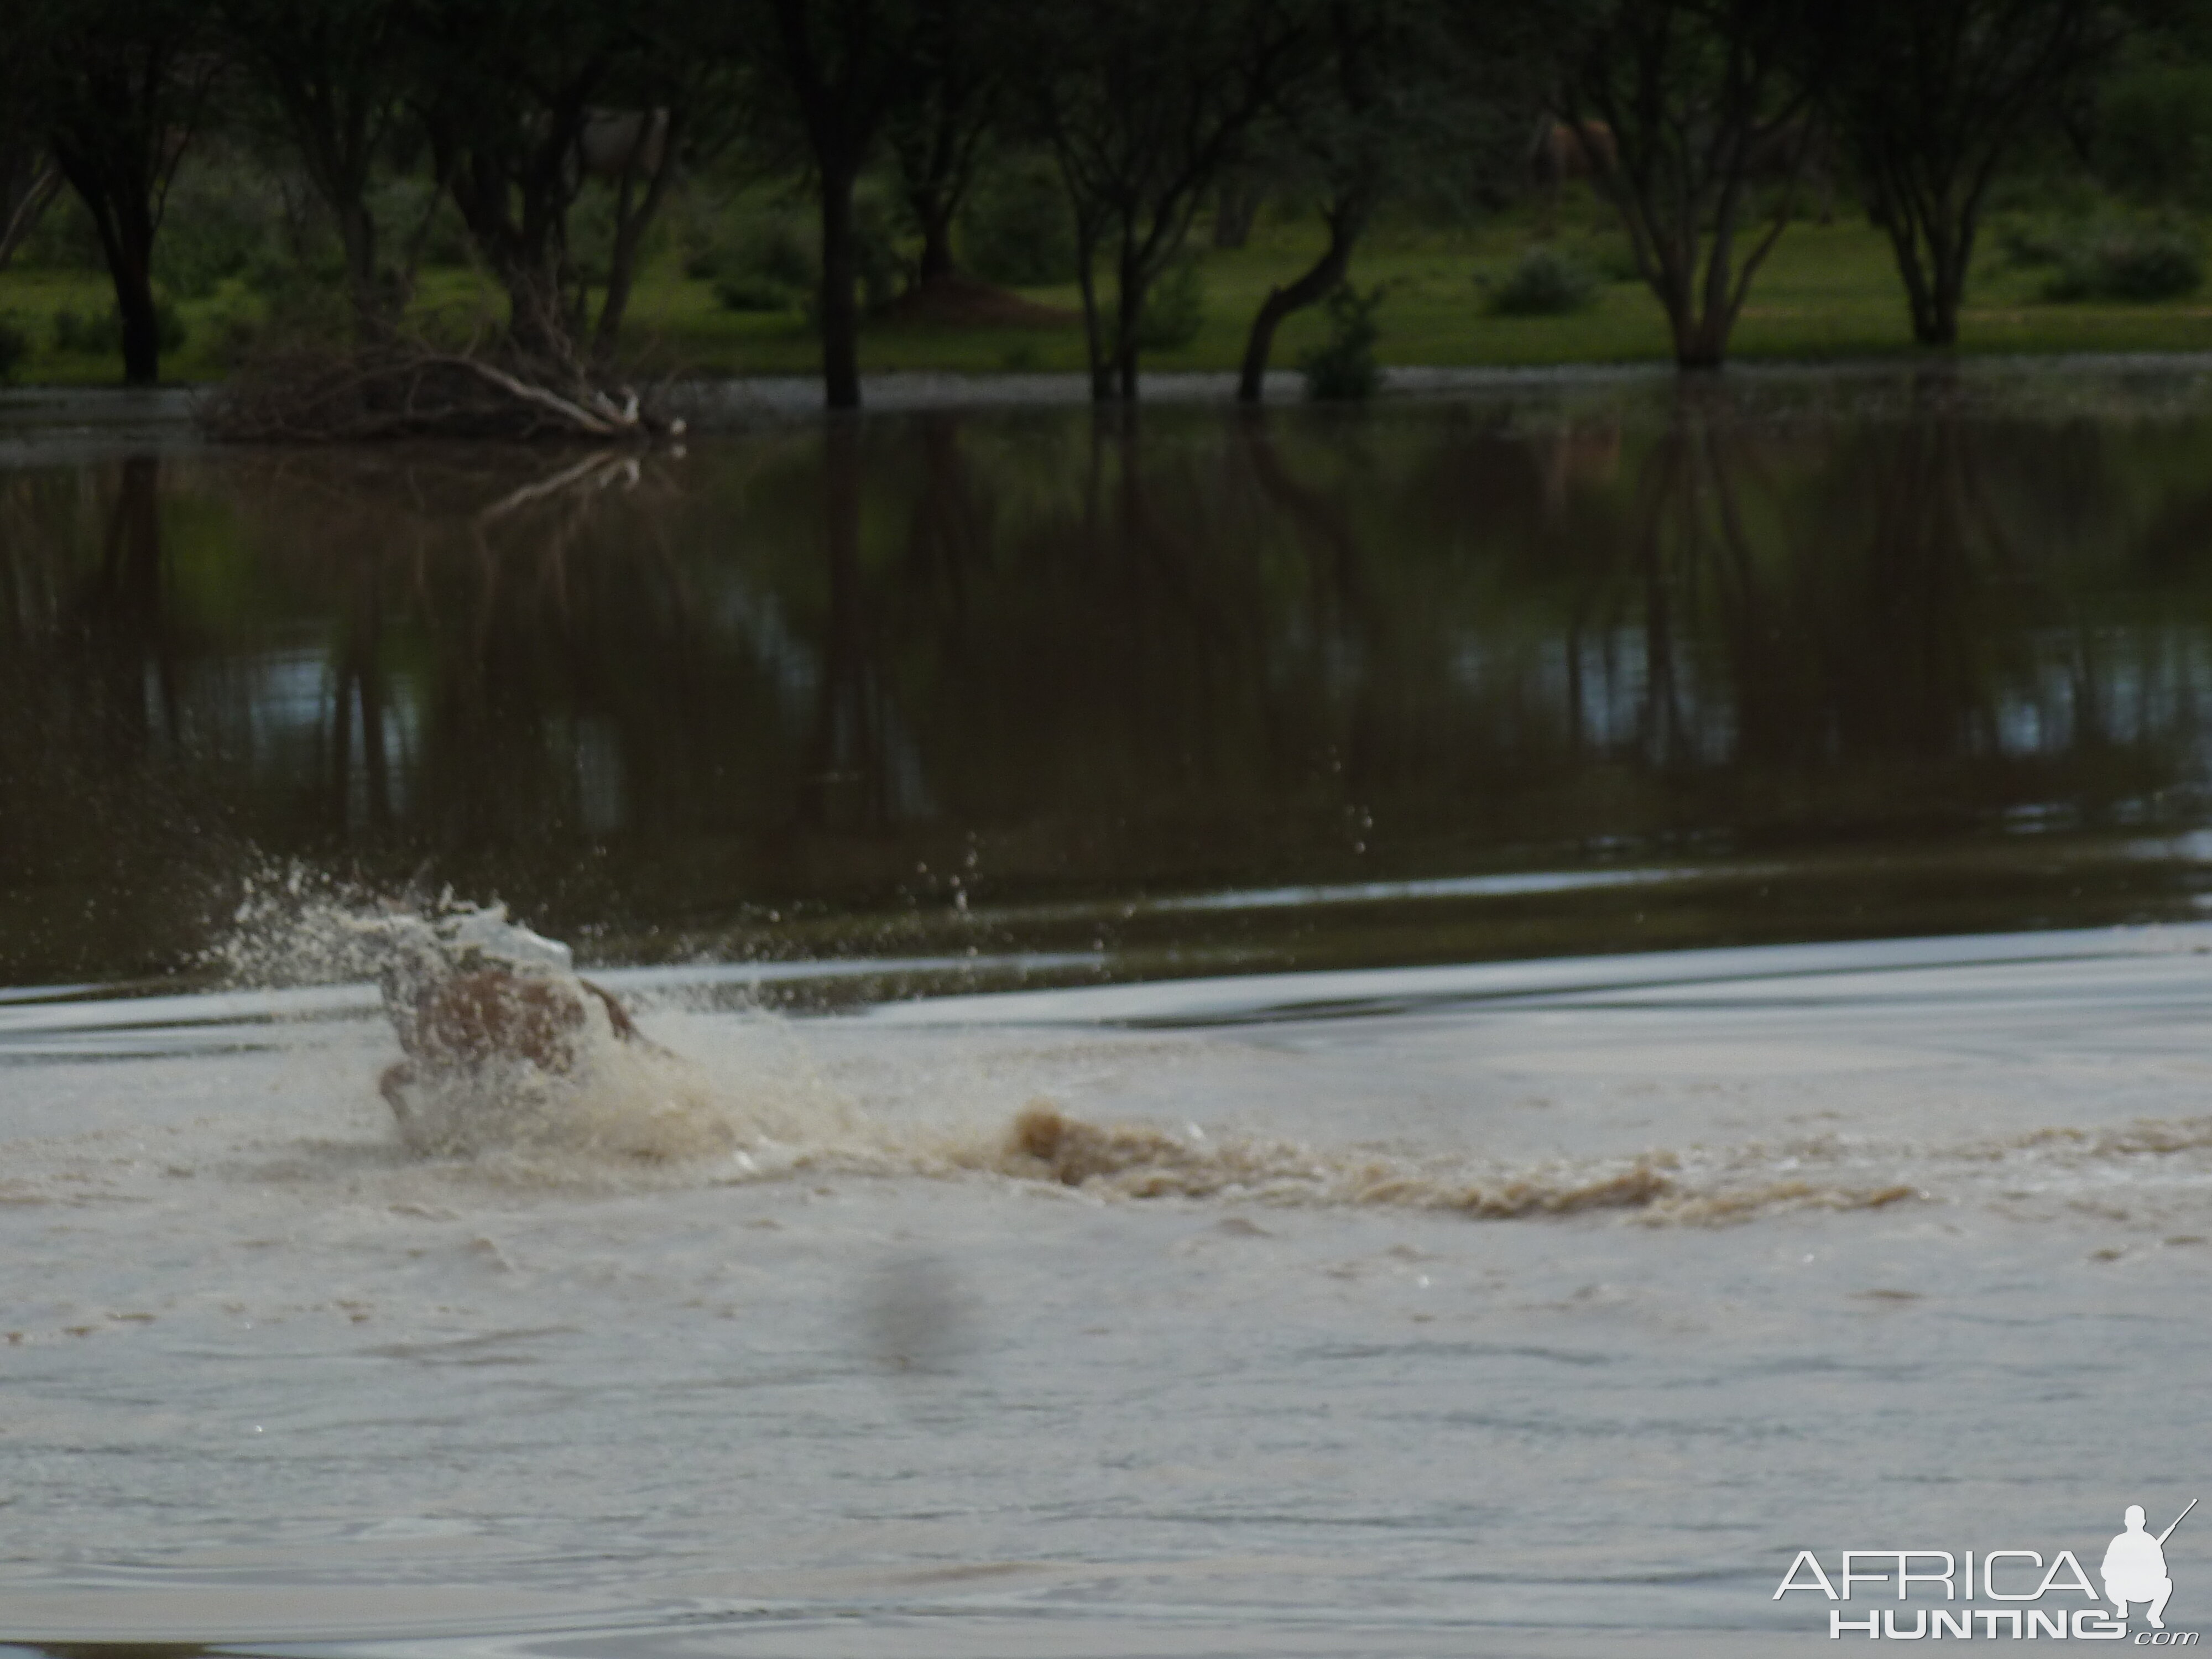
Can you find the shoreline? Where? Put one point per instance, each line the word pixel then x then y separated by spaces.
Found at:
pixel 59 423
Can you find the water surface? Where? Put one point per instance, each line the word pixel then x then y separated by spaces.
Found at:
pixel 1622 960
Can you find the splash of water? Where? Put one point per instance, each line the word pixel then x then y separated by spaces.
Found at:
pixel 753 1106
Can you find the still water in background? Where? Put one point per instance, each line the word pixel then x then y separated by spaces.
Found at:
pixel 1599 667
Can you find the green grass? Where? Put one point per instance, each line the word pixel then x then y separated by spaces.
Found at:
pixel 1827 292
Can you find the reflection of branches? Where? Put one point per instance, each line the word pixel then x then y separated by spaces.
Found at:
pixel 360 681
pixel 595 471
pixel 122 609
pixel 950 527
pixel 844 748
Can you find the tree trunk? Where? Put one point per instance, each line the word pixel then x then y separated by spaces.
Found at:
pixel 373 307
pixel 1237 205
pixel 1094 344
pixel 1129 315
pixel 629 236
pixel 535 323
pixel 130 238
pixel 142 324
pixel 840 312
pixel 1319 281
pixel 934 209
pixel 32 187
pixel 126 240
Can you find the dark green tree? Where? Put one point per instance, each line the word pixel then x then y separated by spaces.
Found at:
pixel 1699 98
pixel 125 84
pixel 1146 104
pixel 339 77
pixel 1930 97
pixel 517 101
pixel 30 178
pixel 939 132
pixel 828 73
pixel 1396 84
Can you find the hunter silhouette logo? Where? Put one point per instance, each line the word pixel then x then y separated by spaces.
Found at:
pixel 2135 1567
pixel 2134 1573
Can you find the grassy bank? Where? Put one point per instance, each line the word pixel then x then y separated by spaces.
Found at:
pixel 1827 291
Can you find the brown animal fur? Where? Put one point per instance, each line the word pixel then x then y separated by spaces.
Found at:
pixel 489 1014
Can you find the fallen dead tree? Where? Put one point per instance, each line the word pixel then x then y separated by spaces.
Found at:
pixel 408 388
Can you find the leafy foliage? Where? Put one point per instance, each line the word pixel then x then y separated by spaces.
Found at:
pixel 1545 282
pixel 101 336
pixel 2132 263
pixel 1017 228
pixel 1343 369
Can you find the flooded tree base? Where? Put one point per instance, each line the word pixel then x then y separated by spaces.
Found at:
pixel 404 388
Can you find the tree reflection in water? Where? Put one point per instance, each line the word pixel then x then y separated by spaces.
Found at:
pixel 896 668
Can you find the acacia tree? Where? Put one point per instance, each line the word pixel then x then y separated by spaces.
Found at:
pixel 1395 84
pixel 30 178
pixel 338 75
pixel 1930 97
pixel 938 132
pixel 509 86
pixel 521 101
pixel 1699 97
pixel 828 74
pixel 125 83
pixel 1146 104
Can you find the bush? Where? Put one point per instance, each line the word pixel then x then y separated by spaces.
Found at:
pixel 2142 264
pixel 1614 260
pixel 404 206
pixel 74 331
pixel 219 218
pixel 1175 307
pixel 2153 132
pixel 64 238
pixel 2026 246
pixel 101 336
pixel 877 261
pixel 749 291
pixel 1545 283
pixel 1016 229
pixel 1342 369
pixel 14 346
pixel 776 249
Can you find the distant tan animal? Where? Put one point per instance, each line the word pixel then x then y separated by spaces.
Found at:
pixel 616 142
pixel 1564 150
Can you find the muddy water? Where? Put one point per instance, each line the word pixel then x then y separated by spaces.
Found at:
pixel 1454 1030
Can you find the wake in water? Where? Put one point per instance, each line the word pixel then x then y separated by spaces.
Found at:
pixel 516 1067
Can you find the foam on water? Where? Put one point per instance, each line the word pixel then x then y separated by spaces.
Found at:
pixel 753 1103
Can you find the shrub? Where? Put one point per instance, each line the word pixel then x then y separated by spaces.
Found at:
pixel 1545 282
pixel 101 335
pixel 74 331
pixel 1342 368
pixel 749 291
pixel 1175 307
pixel 1016 229
pixel 2152 134
pixel 219 217
pixel 2138 264
pixel 1614 260
pixel 64 238
pixel 777 249
pixel 2026 245
pixel 877 261
pixel 14 346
